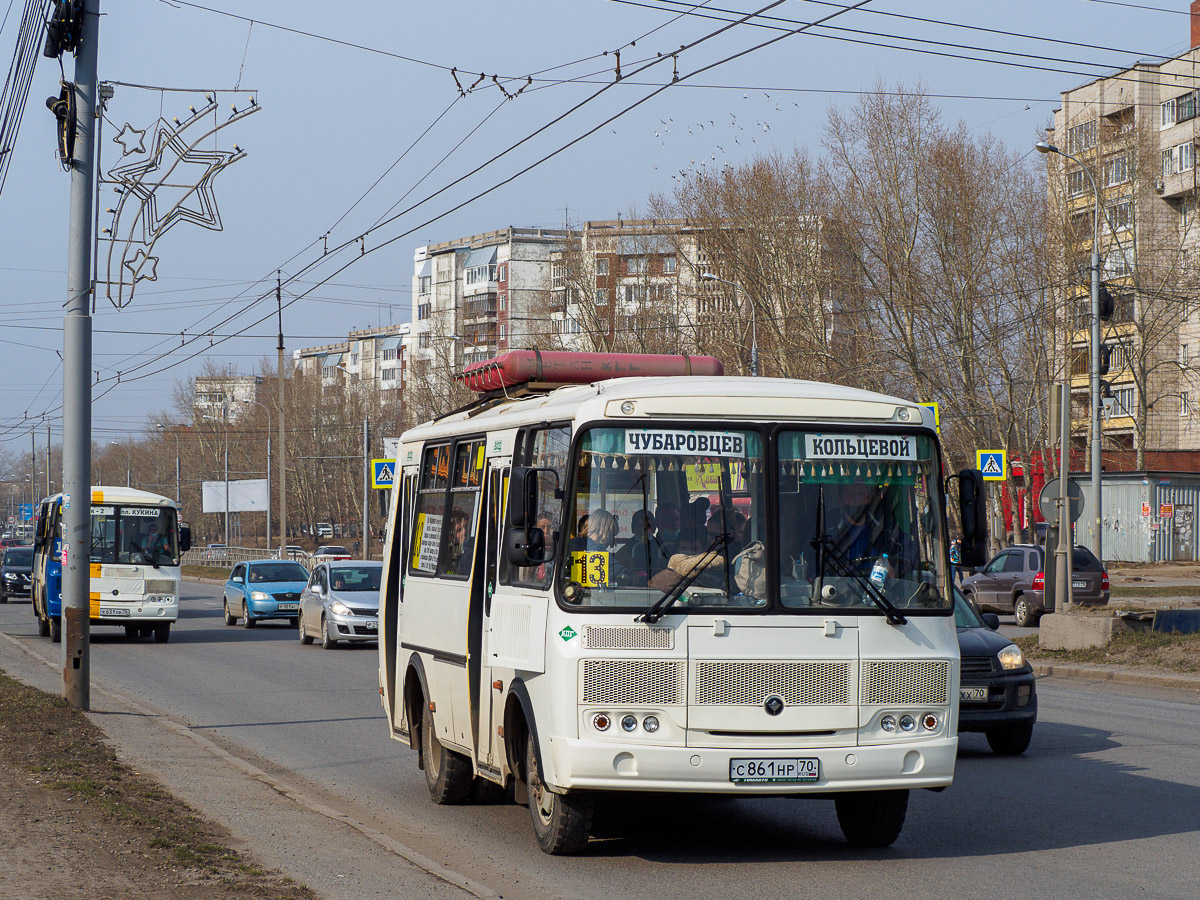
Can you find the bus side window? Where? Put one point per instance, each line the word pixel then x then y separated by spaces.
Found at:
pixel 430 510
pixel 458 551
pixel 544 448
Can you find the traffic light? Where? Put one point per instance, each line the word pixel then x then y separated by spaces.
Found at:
pixel 63 107
pixel 1105 358
pixel 1107 304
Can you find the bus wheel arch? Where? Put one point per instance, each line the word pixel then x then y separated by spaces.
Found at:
pixel 415 694
pixel 519 727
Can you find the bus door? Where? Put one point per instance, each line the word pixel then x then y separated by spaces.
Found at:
pixel 392 593
pixel 440 574
pixel 479 670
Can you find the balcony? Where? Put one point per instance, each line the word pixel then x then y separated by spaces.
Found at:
pixel 482 307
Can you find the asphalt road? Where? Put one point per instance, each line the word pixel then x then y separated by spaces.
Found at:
pixel 1106 802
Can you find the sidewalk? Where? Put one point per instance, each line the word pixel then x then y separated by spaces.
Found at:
pixel 1119 674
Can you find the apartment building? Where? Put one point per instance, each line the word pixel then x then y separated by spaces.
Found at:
pixel 371 358
pixel 224 397
pixel 1133 136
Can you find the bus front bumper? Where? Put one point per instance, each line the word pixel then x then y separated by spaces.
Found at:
pixel 102 613
pixel 596 765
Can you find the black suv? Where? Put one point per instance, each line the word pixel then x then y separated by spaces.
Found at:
pixel 1014 581
pixel 15 572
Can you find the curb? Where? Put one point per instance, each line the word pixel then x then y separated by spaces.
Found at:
pixel 1123 676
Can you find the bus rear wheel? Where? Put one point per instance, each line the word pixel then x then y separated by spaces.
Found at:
pixel 562 823
pixel 448 774
pixel 872 818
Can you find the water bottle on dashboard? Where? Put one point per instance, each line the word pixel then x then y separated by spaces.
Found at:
pixel 879 572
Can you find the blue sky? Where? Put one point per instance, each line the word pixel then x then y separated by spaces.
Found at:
pixel 361 119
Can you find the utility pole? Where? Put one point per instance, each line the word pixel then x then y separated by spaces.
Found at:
pixel 77 368
pixel 282 416
pixel 49 488
pixel 225 416
pixel 366 508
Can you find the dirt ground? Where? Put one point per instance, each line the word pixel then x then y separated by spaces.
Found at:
pixel 77 823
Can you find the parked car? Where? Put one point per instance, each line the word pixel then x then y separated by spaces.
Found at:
pixel 997 691
pixel 1014 581
pixel 10 540
pixel 15 572
pixel 295 551
pixel 217 553
pixel 330 552
pixel 341 603
pixel 264 589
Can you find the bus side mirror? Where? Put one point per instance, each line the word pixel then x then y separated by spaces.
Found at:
pixel 522 497
pixel 525 547
pixel 972 505
pixel 185 537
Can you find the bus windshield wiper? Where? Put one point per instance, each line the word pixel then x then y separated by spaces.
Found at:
pixel 843 567
pixel 663 603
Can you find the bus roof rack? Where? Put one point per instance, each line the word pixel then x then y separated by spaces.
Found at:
pixel 538 371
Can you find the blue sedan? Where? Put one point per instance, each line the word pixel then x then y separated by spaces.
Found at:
pixel 264 589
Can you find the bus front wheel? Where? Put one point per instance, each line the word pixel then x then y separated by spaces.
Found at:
pixel 162 632
pixel 872 818
pixel 448 774
pixel 43 622
pixel 56 629
pixel 562 823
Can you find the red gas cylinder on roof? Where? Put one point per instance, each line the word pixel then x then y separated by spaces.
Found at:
pixel 560 367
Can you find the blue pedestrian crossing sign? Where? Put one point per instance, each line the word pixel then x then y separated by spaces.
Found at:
pixel 992 463
pixel 383 473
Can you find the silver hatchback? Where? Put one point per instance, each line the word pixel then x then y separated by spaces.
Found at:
pixel 341 603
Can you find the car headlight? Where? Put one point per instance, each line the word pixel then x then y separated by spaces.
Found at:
pixel 259 595
pixel 10 576
pixel 340 608
pixel 1011 658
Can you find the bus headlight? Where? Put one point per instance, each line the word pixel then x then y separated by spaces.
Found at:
pixel 888 724
pixel 601 721
pixel 907 723
pixel 650 724
pixel 629 723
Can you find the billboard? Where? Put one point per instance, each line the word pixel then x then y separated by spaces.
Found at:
pixel 249 495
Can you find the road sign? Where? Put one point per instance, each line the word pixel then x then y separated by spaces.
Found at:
pixel 12 520
pixel 383 473
pixel 1049 494
pixel 992 463
pixel 1166 510
pixel 937 418
pixel 25 512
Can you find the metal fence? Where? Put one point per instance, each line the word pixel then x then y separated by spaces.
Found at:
pixel 218 557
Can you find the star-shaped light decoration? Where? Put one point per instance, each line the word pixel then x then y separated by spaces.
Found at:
pixel 125 139
pixel 142 267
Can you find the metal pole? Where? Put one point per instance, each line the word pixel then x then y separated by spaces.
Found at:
pixel 366 507
pixel 77 368
pixel 178 495
pixel 226 417
pixel 753 336
pixel 1097 547
pixel 49 489
pixel 279 376
pixel 1062 578
pixel 269 491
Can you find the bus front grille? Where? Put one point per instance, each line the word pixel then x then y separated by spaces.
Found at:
pixel 160 586
pixel 750 682
pixel 607 637
pixel 639 682
pixel 905 682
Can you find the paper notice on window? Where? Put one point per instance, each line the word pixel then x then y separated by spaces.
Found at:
pixel 426 541
pixel 859 446
pixel 671 442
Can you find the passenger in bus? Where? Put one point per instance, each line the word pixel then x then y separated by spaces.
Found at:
pixel 644 554
pixel 666 518
pixel 460 550
pixel 863 527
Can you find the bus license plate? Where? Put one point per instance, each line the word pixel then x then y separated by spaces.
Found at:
pixel 113 611
pixel 973 694
pixel 770 771
pixel 284 607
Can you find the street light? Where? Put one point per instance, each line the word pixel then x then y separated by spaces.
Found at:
pixel 128 462
pixel 1094 406
pixel 709 276
pixel 247 400
pixel 163 428
pixel 366 502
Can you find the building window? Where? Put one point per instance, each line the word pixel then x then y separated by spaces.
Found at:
pixel 1186 157
pixel 601 266
pixel 1167 113
pixel 1170 161
pixel 1117 263
pixel 424 310
pixel 635 265
pixel 1116 170
pixel 354 359
pixel 503 333
pixel 635 293
pixel 601 297
pixel 502 273
pixel 1124 402
pixel 558 276
pixel 480 274
pixel 389 354
pixel 388 374
pixel 1185 107
pixel 1076 183
pixel 424 341
pixel 1081 137
pixel 424 284
pixel 1184 407
pixel 668 265
pixel 1118 215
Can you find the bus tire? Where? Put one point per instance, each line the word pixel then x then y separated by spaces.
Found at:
pixel 43 622
pixel 871 818
pixel 229 619
pixel 448 774
pixel 133 632
pixel 56 629
pixel 562 823
pixel 162 633
pixel 247 622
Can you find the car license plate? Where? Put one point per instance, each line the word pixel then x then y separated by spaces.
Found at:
pixel 771 771
pixel 371 626
pixel 1079 584
pixel 113 611
pixel 286 606
pixel 972 694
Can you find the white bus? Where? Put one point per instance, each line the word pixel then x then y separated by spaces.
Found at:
pixel 673 584
pixel 137 544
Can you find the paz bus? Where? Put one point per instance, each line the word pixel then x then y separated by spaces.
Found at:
pixel 629 573
pixel 137 543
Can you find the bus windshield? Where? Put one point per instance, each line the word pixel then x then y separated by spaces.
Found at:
pixel 658 510
pixel 136 535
